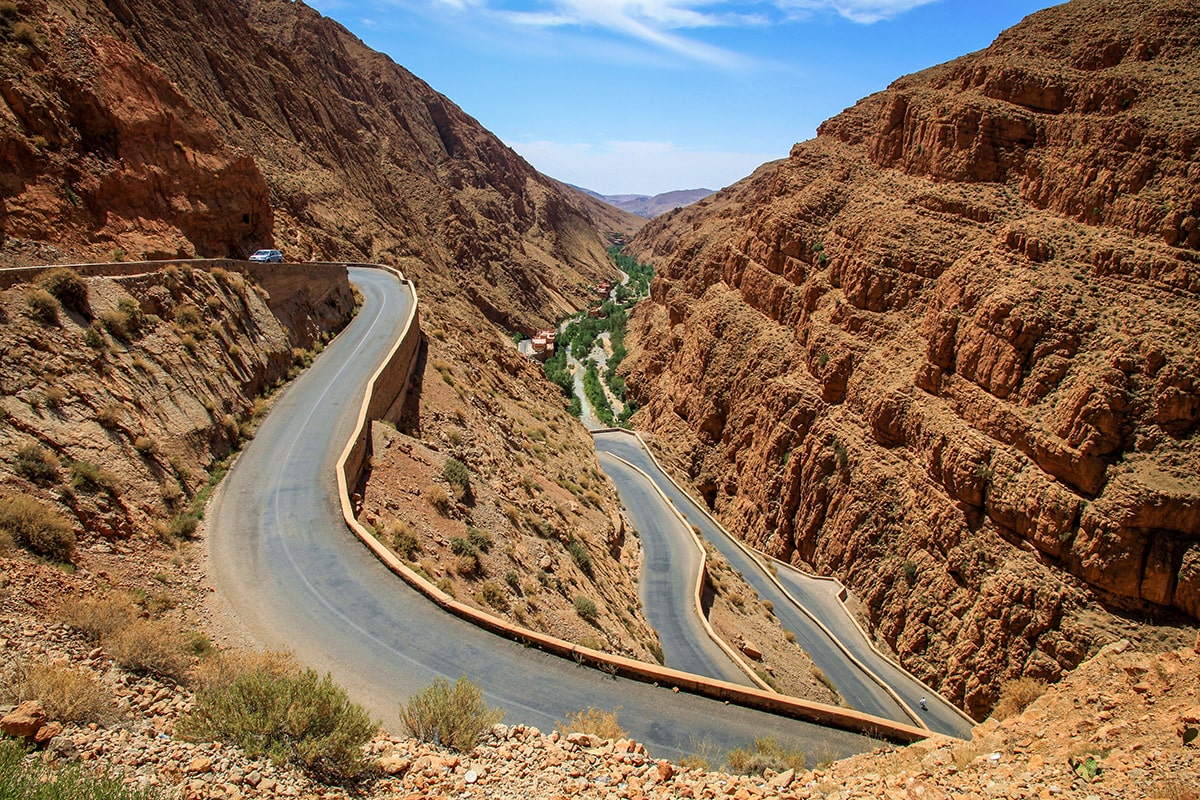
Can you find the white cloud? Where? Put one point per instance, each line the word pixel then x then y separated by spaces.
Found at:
pixel 632 167
pixel 659 22
pixel 864 11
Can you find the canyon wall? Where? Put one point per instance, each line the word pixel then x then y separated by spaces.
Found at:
pixel 125 134
pixel 948 350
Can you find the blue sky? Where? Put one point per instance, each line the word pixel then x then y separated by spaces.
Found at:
pixel 646 96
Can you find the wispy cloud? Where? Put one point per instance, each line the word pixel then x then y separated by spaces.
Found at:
pixel 635 167
pixel 665 24
pixel 864 11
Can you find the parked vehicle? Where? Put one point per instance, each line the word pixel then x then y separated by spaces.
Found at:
pixel 267 255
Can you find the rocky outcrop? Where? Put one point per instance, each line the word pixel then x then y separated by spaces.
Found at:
pixel 947 350
pixel 125 132
pixel 114 411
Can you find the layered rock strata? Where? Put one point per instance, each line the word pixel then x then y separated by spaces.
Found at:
pixel 947 350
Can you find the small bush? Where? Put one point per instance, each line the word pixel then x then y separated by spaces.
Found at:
pixel 1016 695
pixel 583 559
pixel 463 547
pixel 89 477
pixel 68 286
pixel 99 617
pixel 37 527
pixel 187 317
pixel 35 779
pixel 439 500
pixel 456 474
pixel 150 647
pixel 37 464
pixel 481 539
pixel 449 716
pixel 145 445
pixel 767 754
pixel 494 595
pixel 268 706
pixel 109 415
pixel 93 337
pixel 594 721
pixel 42 306
pixel 54 395
pixel 513 579
pixel 585 607
pixel 67 694
pixel 399 536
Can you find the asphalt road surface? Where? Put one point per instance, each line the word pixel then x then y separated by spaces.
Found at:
pixel 858 689
pixel 667 585
pixel 297 579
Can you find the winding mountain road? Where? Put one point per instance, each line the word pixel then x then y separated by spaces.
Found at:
pixel 296 579
pixel 835 644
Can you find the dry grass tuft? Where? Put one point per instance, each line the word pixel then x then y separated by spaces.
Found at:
pixel 67 694
pixel 595 721
pixel 1016 695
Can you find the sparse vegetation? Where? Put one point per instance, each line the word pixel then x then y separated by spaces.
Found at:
pixel 67 694
pixel 68 286
pixel 459 477
pixel 35 779
pixel 439 500
pixel 89 477
pixel 453 716
pixel 1016 695
pixel 42 306
pixel 268 706
pixel 37 527
pixel 583 559
pixel 150 647
pixel 586 608
pixel 767 753
pixel 594 721
pixel 37 464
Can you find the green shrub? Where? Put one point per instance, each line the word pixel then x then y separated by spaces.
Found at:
pixel 455 472
pixel 93 336
pixel 481 539
pixel 268 706
pixel 767 754
pixel 42 306
pixel 35 779
pixel 463 547
pixel 68 287
pixel 449 716
pixel 37 527
pixel 37 464
pixel 585 607
pixel 583 559
pixel 89 477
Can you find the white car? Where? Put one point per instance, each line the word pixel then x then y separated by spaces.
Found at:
pixel 267 255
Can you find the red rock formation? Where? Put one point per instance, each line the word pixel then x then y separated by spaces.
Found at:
pixel 948 349
pixel 122 130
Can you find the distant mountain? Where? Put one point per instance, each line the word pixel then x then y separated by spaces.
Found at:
pixel 651 207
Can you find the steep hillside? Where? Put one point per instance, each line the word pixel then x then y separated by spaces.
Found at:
pixel 124 131
pixel 134 129
pixel 948 349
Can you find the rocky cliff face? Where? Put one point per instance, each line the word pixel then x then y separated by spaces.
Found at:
pixel 124 131
pixel 948 349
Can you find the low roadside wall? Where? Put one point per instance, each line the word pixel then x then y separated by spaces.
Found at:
pixel 385 391
pixel 385 396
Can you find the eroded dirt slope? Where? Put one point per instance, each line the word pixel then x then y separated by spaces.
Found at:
pixel 947 350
